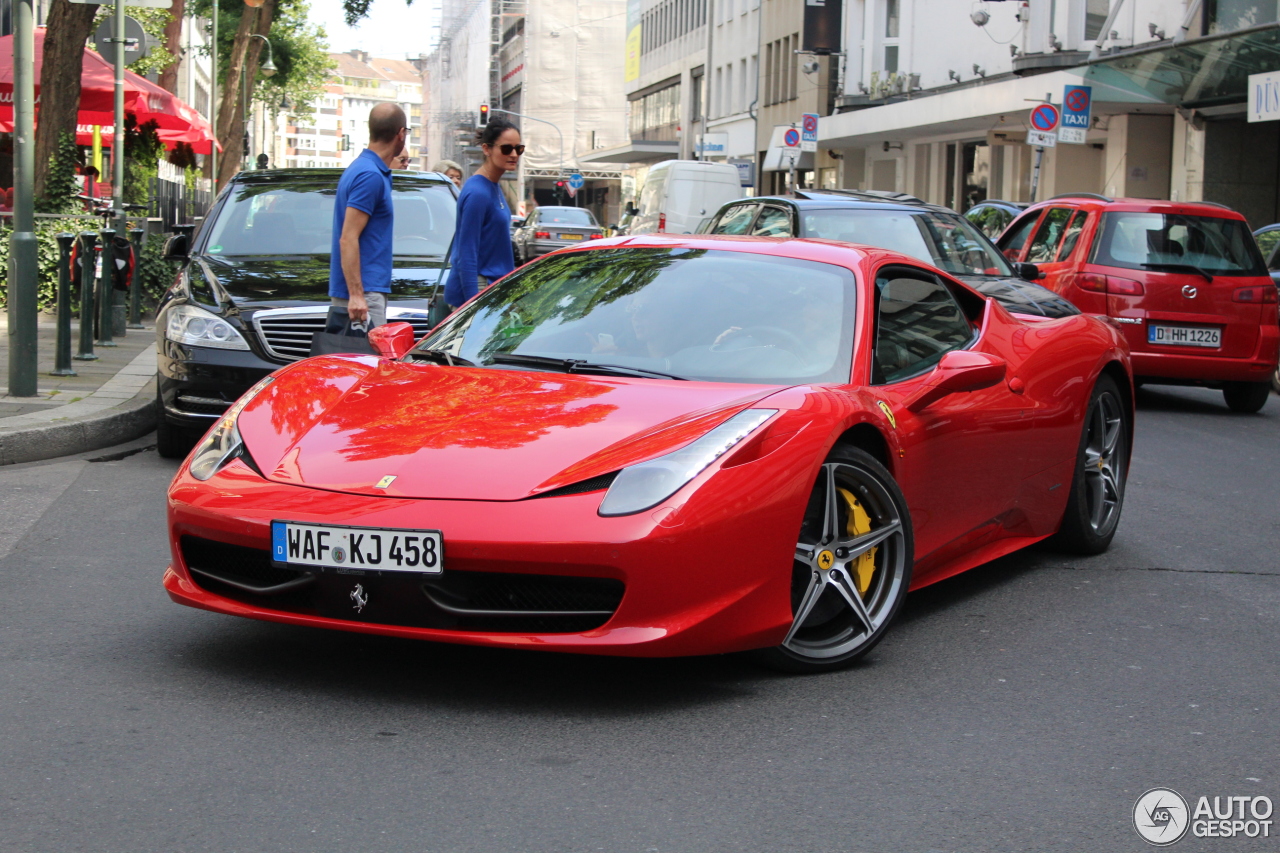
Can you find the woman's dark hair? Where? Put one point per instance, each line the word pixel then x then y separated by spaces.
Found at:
pixel 490 133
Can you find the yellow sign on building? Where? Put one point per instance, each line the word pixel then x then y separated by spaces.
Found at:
pixel 632 70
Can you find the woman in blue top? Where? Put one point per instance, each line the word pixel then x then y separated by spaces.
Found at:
pixel 482 243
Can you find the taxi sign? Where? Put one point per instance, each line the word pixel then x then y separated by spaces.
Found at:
pixel 809 132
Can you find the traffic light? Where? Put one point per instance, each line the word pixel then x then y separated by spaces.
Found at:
pixel 484 114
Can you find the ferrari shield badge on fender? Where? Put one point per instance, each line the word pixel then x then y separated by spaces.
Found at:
pixel 888 413
pixel 385 481
pixel 359 598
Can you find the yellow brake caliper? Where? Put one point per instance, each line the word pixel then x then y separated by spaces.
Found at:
pixel 864 568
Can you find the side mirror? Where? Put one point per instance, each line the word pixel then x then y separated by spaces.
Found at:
pixel 1030 272
pixel 177 247
pixel 392 340
pixel 959 371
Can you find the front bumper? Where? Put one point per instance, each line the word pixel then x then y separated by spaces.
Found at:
pixel 710 574
pixel 197 384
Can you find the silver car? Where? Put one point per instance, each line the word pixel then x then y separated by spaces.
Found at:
pixel 549 228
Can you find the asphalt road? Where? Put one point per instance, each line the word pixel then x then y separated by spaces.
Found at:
pixel 1023 706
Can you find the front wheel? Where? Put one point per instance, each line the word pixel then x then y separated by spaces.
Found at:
pixel 1246 397
pixel 1102 462
pixel 852 565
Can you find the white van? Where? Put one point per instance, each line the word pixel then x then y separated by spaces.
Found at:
pixel 679 194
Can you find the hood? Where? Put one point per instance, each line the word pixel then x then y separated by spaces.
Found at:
pixel 262 282
pixel 1019 296
pixel 345 423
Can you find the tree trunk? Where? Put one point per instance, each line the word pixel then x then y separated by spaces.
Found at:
pixel 244 61
pixel 68 28
pixel 173 43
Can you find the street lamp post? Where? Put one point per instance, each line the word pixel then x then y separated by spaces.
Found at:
pixel 268 69
pixel 22 245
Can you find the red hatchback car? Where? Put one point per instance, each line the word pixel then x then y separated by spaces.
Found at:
pixel 1185 283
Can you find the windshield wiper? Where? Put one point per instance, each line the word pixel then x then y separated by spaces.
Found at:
pixel 1190 267
pixel 576 365
pixel 439 356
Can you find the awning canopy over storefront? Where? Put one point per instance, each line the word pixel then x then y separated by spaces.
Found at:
pixel 1197 73
pixel 974 109
pixel 635 151
pixel 1203 74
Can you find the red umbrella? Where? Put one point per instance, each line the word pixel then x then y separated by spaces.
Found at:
pixel 142 98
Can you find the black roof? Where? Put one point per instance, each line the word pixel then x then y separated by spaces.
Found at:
pixel 284 175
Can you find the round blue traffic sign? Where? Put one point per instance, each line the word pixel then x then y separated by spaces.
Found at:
pixel 577 181
pixel 1044 117
pixel 810 123
pixel 791 138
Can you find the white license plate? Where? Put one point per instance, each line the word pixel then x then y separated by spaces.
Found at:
pixel 570 236
pixel 1185 336
pixel 335 546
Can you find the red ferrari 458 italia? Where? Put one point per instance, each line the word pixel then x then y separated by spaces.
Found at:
pixel 661 446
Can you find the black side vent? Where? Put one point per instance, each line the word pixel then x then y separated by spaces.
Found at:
pixel 244 569
pixel 595 484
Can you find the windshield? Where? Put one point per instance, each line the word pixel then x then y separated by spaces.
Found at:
pixel 713 315
pixel 565 216
pixel 948 241
pixel 1171 240
pixel 297 219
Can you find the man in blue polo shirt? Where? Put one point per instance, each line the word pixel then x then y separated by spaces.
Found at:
pixel 360 259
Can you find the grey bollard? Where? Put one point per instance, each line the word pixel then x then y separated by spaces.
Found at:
pixel 62 341
pixel 106 292
pixel 136 237
pixel 87 260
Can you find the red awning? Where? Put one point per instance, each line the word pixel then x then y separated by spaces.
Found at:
pixel 178 121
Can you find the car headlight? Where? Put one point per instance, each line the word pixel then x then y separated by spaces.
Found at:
pixel 188 324
pixel 223 443
pixel 648 484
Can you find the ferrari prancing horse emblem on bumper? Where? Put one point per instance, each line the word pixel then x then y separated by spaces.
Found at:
pixel 385 481
pixel 359 598
pixel 888 413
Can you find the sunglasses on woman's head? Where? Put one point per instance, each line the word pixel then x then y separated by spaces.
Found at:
pixel 507 149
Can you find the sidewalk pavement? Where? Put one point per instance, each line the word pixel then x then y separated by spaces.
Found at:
pixel 110 401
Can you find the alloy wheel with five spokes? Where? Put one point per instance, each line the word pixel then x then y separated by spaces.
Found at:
pixel 851 568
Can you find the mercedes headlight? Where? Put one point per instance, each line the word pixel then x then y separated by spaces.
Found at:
pixel 188 324
pixel 648 484
pixel 223 443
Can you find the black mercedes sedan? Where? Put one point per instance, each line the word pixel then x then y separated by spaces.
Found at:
pixel 903 223
pixel 254 286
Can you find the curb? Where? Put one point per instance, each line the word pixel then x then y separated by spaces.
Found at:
pixel 106 418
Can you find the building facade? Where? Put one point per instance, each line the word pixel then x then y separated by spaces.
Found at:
pixel 936 100
pixel 338 129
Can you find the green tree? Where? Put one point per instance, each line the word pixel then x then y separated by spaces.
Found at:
pixel 298 50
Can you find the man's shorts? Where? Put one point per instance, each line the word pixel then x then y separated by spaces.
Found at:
pixel 377 311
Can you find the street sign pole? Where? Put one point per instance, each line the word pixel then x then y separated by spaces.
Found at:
pixel 1044 127
pixel 117 144
pixel 22 245
pixel 1035 173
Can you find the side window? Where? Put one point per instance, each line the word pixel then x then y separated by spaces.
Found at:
pixel 990 220
pixel 1267 242
pixel 1072 235
pixel 1045 243
pixel 735 220
pixel 772 222
pixel 1015 238
pixel 917 322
